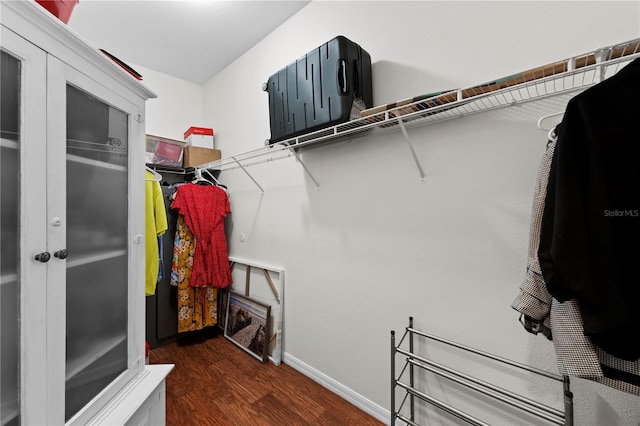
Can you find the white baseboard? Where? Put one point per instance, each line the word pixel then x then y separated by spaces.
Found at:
pixel 354 398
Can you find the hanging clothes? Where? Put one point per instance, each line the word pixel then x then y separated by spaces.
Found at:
pixel 197 306
pixel 204 208
pixel 155 226
pixel 576 355
pixel 581 280
pixel 160 259
pixel 590 227
pixel 533 300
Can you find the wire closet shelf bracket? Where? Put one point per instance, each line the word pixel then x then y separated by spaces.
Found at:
pixel 504 396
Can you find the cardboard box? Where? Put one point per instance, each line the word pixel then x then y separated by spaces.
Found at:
pixel 199 136
pixel 196 156
pixel 163 151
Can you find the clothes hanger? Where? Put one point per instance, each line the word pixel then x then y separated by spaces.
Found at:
pixel 201 179
pixel 217 182
pixel 157 177
pixel 544 118
pixel 212 177
pixel 551 135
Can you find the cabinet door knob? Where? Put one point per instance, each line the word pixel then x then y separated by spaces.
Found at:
pixel 61 254
pixel 43 257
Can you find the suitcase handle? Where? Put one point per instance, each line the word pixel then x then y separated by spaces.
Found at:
pixel 343 81
pixel 356 81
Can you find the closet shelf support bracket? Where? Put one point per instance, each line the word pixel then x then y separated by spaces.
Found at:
pixel 411 148
pixel 248 174
pixel 304 166
pixel 602 55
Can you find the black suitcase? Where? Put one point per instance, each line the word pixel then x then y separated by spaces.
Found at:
pixel 319 90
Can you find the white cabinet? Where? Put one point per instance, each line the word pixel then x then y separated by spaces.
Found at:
pixel 72 225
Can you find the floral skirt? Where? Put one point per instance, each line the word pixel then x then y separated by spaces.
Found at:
pixel 197 307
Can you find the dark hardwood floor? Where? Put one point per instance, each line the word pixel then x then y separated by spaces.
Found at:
pixel 216 383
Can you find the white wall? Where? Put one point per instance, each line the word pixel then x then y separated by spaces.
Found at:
pixel 374 244
pixel 177 107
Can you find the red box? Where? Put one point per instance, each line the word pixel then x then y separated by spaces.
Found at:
pixel 61 9
pixel 201 137
pixel 204 131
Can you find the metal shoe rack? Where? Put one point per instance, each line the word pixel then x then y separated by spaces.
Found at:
pixel 502 396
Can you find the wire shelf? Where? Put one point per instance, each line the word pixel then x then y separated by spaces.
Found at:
pixel 572 74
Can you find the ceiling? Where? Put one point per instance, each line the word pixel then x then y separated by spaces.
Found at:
pixel 189 39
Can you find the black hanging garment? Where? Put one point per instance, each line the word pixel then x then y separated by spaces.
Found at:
pixel 590 235
pixel 576 355
pixel 162 308
pixel 588 169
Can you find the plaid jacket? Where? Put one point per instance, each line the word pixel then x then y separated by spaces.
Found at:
pixel 576 355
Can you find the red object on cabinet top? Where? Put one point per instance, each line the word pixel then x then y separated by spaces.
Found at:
pixel 61 9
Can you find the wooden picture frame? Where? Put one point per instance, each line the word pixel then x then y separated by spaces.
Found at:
pixel 223 298
pixel 247 325
pixel 265 284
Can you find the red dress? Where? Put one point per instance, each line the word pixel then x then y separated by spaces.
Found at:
pixel 204 209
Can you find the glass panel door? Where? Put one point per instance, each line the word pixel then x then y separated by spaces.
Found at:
pixel 9 239
pixel 96 238
pixel 23 237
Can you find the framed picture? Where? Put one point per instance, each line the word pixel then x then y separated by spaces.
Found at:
pixel 265 284
pixel 247 325
pixel 223 298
